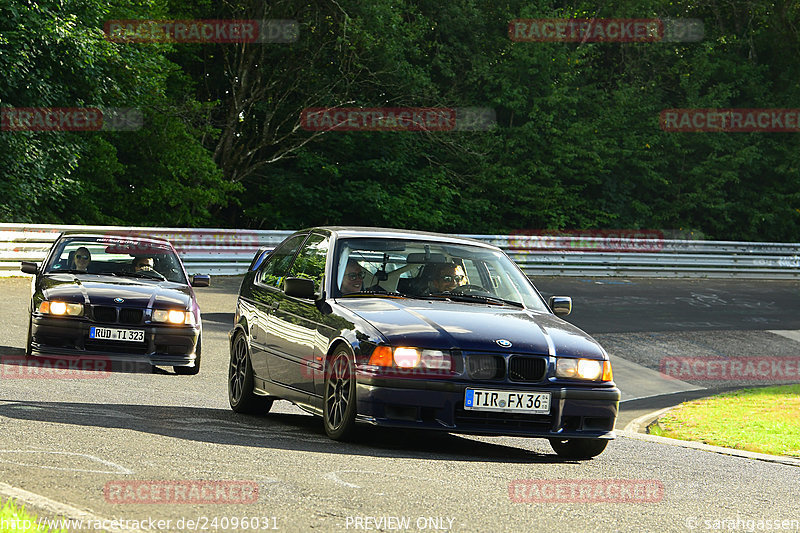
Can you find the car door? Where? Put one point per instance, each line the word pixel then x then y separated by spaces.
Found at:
pixel 263 296
pixel 297 331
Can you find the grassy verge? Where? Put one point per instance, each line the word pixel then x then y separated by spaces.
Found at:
pixel 764 420
pixel 15 519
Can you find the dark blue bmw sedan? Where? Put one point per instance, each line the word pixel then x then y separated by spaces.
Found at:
pixel 115 298
pixel 418 330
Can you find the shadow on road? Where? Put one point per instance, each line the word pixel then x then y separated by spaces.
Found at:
pixel 274 430
pixel 42 366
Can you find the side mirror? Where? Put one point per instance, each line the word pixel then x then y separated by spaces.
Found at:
pixel 29 267
pixel 560 305
pixel 299 288
pixel 201 280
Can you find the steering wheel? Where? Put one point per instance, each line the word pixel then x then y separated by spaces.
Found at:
pixel 465 288
pixel 150 270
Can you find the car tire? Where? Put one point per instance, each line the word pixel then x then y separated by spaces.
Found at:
pixel 578 448
pixel 240 381
pixel 191 370
pixel 339 398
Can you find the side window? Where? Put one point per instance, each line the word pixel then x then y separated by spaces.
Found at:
pixel 310 262
pixel 277 266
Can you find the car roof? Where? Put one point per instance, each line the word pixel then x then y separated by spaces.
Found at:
pixel 345 232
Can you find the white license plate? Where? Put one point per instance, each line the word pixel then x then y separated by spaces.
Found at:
pixel 507 401
pixel 116 334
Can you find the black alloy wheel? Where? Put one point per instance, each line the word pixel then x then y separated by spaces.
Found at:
pixel 240 381
pixel 339 409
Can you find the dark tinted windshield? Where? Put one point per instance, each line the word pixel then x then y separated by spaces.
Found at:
pixel 423 268
pixel 118 256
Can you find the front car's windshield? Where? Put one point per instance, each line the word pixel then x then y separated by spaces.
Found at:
pixel 116 256
pixel 413 268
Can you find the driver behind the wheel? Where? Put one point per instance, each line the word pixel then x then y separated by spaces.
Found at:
pixel 444 277
pixel 143 263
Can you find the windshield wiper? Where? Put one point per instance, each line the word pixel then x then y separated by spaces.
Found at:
pixel 384 292
pixel 475 298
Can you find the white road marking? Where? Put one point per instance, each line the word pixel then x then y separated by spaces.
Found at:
pixel 118 469
pixel 334 476
pixel 788 333
pixel 331 476
pixel 57 509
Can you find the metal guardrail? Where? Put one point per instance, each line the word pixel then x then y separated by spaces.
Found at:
pixel 609 256
pixel 229 252
pixel 202 250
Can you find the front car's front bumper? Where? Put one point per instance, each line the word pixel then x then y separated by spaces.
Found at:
pixel 164 345
pixel 580 411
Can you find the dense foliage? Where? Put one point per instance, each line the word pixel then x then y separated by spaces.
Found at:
pixel 577 142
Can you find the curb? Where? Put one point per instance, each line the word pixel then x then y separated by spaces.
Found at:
pixel 634 430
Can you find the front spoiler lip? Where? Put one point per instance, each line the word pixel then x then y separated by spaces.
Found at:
pixel 154 359
pixel 504 432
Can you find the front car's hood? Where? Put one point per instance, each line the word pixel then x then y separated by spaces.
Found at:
pixel 91 289
pixel 472 327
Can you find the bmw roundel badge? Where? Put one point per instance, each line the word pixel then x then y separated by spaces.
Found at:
pixel 504 343
pixel 118 300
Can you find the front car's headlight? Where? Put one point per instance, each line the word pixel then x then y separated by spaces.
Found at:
pixel 586 369
pixel 59 308
pixel 411 358
pixel 173 316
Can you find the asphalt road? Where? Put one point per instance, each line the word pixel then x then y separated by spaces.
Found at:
pixel 75 440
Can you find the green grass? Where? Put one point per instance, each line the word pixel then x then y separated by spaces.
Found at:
pixel 12 520
pixel 764 420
